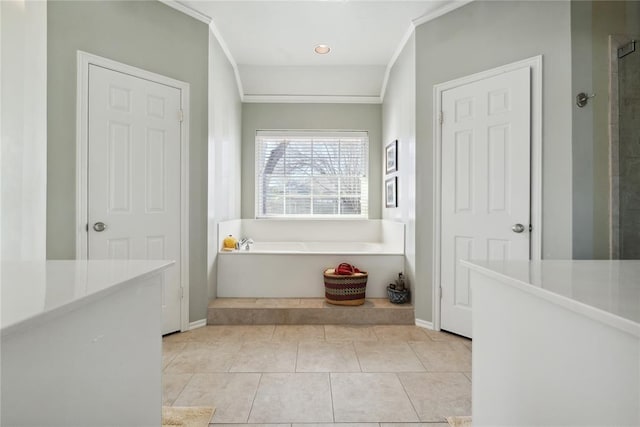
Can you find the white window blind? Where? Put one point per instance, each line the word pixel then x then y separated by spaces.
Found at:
pixel 302 174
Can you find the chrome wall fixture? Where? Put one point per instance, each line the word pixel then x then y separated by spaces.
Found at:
pixel 582 99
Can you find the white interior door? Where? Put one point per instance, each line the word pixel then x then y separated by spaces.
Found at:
pixel 134 176
pixel 485 208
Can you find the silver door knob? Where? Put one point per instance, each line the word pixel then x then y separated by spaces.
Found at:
pixel 517 228
pixel 99 226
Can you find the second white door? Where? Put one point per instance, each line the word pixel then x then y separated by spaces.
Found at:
pixel 134 175
pixel 485 207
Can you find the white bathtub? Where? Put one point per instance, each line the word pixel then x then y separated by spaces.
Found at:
pixel 289 256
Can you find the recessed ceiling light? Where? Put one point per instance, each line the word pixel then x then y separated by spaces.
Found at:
pixel 322 49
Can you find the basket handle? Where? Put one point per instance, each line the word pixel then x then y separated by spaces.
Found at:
pixel 346 269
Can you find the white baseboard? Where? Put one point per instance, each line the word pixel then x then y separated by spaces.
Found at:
pixel 198 324
pixel 424 324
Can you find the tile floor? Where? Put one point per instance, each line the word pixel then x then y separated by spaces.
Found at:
pixel 317 375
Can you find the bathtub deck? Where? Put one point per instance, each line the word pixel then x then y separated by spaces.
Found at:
pixel 309 311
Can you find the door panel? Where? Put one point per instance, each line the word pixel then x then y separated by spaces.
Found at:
pixel 134 175
pixel 485 183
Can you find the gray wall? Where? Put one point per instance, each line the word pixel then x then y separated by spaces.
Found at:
pixel 591 24
pixel 225 115
pixel 399 122
pixel 480 36
pixel 143 34
pixel 365 117
pixel 582 132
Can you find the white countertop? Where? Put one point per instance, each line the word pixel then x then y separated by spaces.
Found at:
pixel 607 291
pixel 34 290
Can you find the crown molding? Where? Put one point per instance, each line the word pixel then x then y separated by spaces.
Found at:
pixel 412 27
pixel 312 99
pixel 449 7
pixel 187 10
pixel 177 5
pixel 394 58
pixel 227 52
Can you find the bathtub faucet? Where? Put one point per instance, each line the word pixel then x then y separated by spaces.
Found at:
pixel 244 244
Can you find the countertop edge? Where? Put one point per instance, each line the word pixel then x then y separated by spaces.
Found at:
pixel 23 324
pixel 597 314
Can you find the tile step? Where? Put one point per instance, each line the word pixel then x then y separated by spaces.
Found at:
pixel 306 311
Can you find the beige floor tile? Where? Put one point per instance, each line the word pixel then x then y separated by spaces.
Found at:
pixel 172 386
pixel 337 425
pixel 278 302
pixel 292 398
pixel 323 356
pixel 443 356
pixel 400 333
pixel 312 302
pixel 298 333
pixel 265 356
pixel 370 398
pixel 170 350
pixel 389 356
pixel 178 337
pixel 445 336
pixel 414 425
pixel 233 302
pixel 349 333
pixel 232 333
pixel 438 395
pixel 381 302
pixel 203 357
pixel 250 425
pixel 231 394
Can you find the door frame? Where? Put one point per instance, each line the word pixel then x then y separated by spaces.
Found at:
pixel 535 64
pixel 84 60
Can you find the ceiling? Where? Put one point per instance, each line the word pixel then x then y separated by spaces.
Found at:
pixel 271 44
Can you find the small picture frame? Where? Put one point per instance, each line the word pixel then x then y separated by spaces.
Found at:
pixel 391 157
pixel 391 192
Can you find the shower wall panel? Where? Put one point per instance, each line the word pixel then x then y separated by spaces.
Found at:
pixel 629 154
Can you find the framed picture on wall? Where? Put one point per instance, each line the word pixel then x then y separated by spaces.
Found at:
pixel 391 192
pixel 391 157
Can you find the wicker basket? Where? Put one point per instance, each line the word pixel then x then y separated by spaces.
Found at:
pixel 344 289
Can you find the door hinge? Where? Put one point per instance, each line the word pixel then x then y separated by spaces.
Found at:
pixel 181 292
pixel 181 116
pixel 441 118
pixel 530 228
pixel 440 292
pixel 86 227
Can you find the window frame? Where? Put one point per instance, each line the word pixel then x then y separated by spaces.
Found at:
pixel 317 135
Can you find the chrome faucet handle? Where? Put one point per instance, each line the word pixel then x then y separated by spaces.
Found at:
pixel 244 243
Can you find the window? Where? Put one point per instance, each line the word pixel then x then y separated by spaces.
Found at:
pixel 304 174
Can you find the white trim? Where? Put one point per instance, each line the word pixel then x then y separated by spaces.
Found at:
pixel 535 64
pixel 424 324
pixel 412 27
pixel 311 134
pixel 84 60
pixel 449 7
pixel 313 99
pixel 197 324
pixel 187 10
pixel 394 58
pixel 223 44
